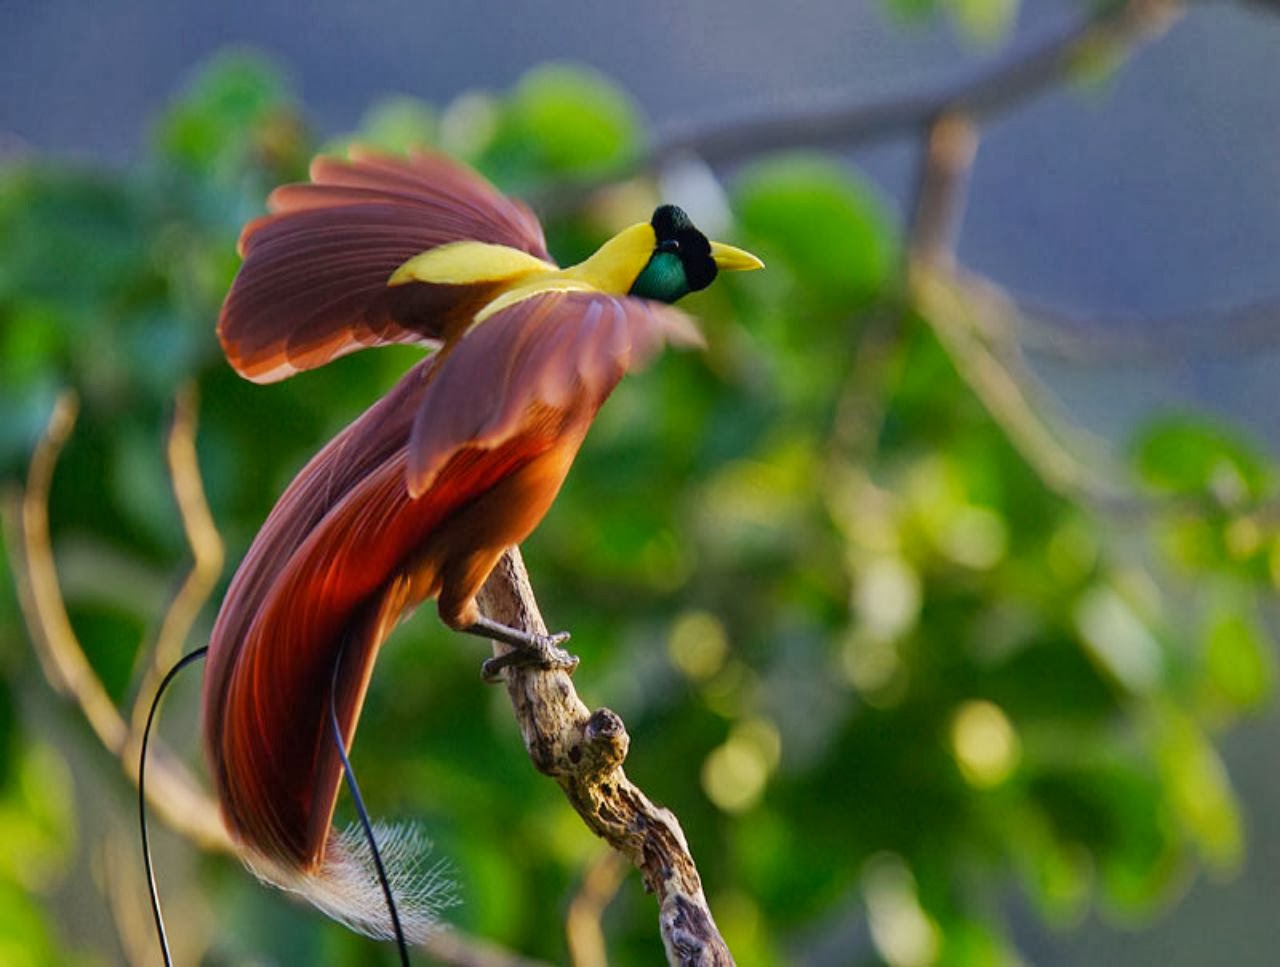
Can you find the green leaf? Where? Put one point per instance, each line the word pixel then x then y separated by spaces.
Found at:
pixel 912 10
pixel 985 21
pixel 1202 801
pixel 821 222
pixel 574 120
pixel 226 112
pixel 398 123
pixel 25 936
pixel 1058 873
pixel 1238 659
pixel 1191 456
pixel 37 820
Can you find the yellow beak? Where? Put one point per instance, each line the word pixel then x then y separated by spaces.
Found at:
pixel 730 259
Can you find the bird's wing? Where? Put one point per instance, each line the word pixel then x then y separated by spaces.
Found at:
pixel 314 281
pixel 551 359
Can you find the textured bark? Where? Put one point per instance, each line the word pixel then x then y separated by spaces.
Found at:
pixel 584 752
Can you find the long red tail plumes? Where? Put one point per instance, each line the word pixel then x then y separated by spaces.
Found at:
pixel 267 686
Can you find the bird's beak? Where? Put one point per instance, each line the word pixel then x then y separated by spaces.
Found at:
pixel 730 259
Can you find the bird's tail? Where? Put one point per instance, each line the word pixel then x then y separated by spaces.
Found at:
pixel 346 885
pixel 285 713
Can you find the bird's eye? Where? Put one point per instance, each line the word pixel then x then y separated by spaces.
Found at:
pixel 669 245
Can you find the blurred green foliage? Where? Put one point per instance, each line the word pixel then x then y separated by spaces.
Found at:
pixel 980 21
pixel 875 665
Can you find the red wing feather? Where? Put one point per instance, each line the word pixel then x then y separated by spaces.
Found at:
pixel 535 355
pixel 314 282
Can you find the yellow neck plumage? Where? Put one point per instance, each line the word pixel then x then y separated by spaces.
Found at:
pixel 613 268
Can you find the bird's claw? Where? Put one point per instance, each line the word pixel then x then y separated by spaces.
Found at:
pixel 541 651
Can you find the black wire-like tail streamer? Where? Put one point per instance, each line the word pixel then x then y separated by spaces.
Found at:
pixel 352 784
pixel 182 663
pixel 365 824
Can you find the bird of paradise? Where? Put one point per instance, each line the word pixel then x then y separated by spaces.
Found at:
pixel 424 492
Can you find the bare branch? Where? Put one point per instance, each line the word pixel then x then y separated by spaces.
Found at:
pixel 950 146
pixel 172 793
pixel 584 751
pixel 206 552
pixel 1213 333
pixel 959 309
pixel 582 927
pixel 849 122
pixel 122 882
pixel 974 321
pixel 27 537
pixel 994 90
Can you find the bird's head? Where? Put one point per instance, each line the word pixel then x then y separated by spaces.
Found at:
pixel 683 260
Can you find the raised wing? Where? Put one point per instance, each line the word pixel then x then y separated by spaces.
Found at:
pixel 314 281
pixel 531 363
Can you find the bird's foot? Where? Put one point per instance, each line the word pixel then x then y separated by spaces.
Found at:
pixel 527 649
pixel 541 651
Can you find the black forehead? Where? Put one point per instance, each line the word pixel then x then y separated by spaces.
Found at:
pixel 670 221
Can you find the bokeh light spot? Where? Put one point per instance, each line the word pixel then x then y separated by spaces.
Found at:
pixel 984 743
pixel 698 644
pixel 903 933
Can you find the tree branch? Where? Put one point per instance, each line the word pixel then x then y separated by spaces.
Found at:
pixel 206 552
pixel 950 146
pixel 583 933
pixel 172 792
pixel 584 751
pixel 973 321
pixel 1213 333
pixel 994 90
pixel 850 122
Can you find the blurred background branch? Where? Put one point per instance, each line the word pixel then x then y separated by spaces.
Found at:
pixel 206 552
pixel 1112 29
pixel 173 794
pixel 1127 340
pixel 1107 33
pixel 584 932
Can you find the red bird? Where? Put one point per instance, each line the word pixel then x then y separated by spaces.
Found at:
pixel 421 495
